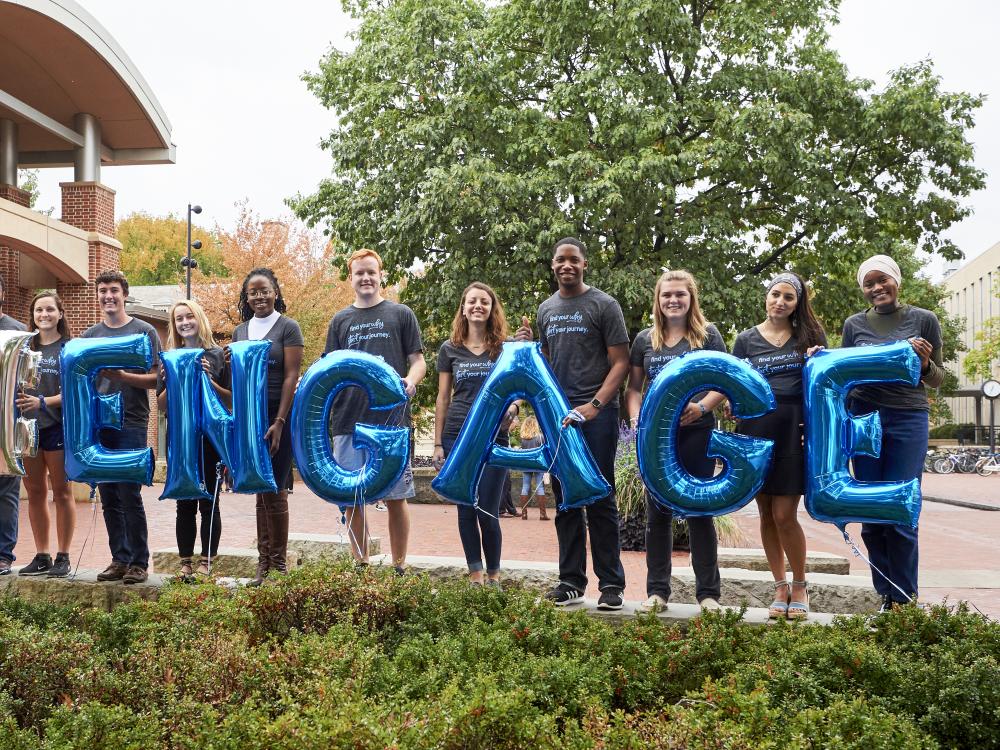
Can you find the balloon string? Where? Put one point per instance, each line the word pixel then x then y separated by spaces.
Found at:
pixel 860 554
pixel 211 518
pixel 576 417
pixel 93 528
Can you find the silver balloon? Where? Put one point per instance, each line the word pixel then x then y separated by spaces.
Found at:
pixel 18 369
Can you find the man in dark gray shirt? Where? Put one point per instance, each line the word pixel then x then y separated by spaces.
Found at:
pixel 388 330
pixel 582 332
pixel 124 515
pixel 10 487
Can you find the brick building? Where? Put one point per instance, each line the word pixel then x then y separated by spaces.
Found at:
pixel 69 97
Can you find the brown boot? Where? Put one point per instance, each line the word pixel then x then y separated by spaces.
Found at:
pixel 542 516
pixel 524 507
pixel 278 528
pixel 263 545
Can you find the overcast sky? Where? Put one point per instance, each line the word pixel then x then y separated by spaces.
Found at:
pixel 227 74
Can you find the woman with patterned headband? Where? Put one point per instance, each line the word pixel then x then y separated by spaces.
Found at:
pixel 777 348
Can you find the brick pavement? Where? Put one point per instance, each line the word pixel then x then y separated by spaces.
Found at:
pixel 954 540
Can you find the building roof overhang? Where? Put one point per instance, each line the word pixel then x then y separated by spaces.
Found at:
pixel 57 61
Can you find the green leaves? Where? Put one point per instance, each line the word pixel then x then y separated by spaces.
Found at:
pixel 725 138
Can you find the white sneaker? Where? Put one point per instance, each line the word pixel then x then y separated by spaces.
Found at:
pixel 655 603
pixel 710 603
pixel 380 506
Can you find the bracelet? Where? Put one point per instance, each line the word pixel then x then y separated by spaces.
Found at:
pixel 438 445
pixel 41 404
pixel 280 419
pixel 702 407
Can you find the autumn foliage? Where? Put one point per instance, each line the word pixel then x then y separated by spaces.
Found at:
pixel 301 259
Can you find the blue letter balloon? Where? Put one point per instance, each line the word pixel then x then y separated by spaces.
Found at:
pixel 195 409
pixel 745 459
pixel 521 372
pixel 833 436
pixel 86 413
pixel 388 448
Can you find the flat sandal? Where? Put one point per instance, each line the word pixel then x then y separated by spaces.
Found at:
pixel 799 610
pixel 779 609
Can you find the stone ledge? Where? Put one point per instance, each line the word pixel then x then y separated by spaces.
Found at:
pixel 532 575
pixel 82 590
pixel 313 547
pixel 231 561
pixel 755 559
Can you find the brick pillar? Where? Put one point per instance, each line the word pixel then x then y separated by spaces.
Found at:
pixel 15 195
pixel 16 299
pixel 89 206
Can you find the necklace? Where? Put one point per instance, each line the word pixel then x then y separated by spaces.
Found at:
pixel 776 339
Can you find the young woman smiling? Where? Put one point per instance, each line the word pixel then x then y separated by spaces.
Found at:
pixel 44 404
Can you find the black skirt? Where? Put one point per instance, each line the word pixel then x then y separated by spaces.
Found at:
pixel 784 426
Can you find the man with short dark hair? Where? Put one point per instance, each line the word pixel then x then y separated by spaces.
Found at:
pixel 10 487
pixel 124 515
pixel 582 332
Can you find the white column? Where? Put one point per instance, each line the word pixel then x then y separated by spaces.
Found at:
pixel 87 161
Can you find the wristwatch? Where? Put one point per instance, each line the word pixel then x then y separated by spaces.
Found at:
pixel 596 403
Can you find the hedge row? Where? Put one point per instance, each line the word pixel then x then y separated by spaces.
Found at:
pixel 329 657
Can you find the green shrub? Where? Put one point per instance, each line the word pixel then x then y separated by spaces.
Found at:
pixel 332 657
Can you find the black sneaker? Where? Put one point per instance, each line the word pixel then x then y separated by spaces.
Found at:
pixel 886 605
pixel 61 567
pixel 40 565
pixel 4 566
pixel 563 594
pixel 611 598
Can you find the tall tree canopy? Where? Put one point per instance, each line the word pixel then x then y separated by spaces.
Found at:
pixel 720 136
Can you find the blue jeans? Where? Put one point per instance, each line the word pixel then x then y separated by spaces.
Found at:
pixel 479 532
pixel 599 519
pixel 531 479
pixel 10 490
pixel 892 548
pixel 124 515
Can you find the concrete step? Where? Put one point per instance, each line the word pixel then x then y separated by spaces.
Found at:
pixel 313 547
pixel 83 590
pixel 828 592
pixel 755 559
pixel 231 561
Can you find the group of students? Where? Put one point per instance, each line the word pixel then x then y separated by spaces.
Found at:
pixel 583 335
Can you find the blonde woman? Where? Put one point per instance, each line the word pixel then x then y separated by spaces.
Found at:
pixel 531 437
pixel 190 329
pixel 678 327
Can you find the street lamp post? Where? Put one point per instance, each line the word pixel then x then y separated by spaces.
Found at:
pixel 188 262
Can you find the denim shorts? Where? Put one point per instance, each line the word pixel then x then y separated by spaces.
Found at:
pixel 353 459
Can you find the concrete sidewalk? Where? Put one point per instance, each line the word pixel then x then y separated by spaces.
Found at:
pixel 959 558
pixel 964 490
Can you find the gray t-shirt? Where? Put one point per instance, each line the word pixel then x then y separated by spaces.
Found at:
pixel 135 401
pixel 388 330
pixel 48 383
pixel 8 323
pixel 284 332
pixel 653 361
pixel 468 372
pixel 217 369
pixel 781 365
pixel 914 321
pixel 577 332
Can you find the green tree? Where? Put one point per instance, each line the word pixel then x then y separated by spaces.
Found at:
pixel 724 137
pixel 27 179
pixel 152 248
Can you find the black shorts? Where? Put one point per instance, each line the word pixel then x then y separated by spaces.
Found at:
pixel 787 475
pixel 50 438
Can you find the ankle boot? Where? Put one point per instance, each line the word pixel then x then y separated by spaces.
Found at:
pixel 278 528
pixel 524 507
pixel 263 544
pixel 542 516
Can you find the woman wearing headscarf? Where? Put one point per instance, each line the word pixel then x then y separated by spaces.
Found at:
pixel 903 410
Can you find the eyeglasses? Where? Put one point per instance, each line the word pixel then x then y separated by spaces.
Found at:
pixel 255 293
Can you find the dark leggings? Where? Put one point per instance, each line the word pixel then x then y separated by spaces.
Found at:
pixel 187 523
pixel 479 532
pixel 188 510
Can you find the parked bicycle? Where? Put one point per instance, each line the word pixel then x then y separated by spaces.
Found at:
pixel 988 465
